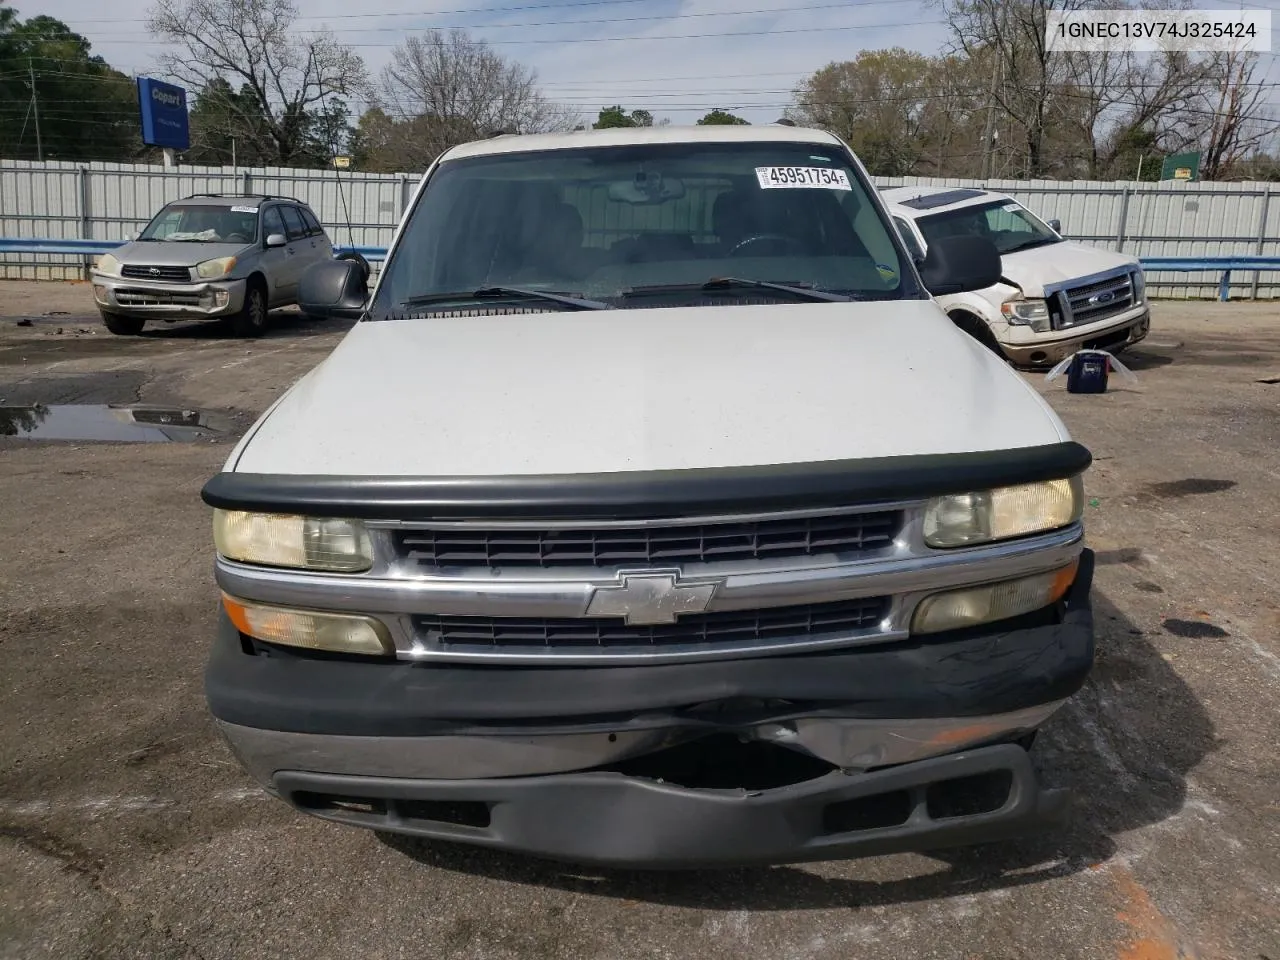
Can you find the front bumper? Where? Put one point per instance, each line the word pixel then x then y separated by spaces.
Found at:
pixel 173 301
pixel 1123 331
pixel 543 760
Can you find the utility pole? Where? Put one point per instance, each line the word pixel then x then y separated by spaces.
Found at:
pixel 997 75
pixel 35 107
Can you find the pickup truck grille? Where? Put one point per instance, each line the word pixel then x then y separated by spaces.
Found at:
pixel 611 546
pixel 144 272
pixel 1096 301
pixel 533 635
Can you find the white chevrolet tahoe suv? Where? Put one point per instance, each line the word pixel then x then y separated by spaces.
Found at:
pixel 1054 296
pixel 652 513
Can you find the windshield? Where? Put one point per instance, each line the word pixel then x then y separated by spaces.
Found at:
pixel 1010 226
pixel 204 222
pixel 651 223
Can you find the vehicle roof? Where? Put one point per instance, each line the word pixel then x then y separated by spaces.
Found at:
pixel 626 136
pixel 935 199
pixel 238 199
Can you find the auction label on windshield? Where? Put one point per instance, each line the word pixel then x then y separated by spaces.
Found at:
pixel 244 209
pixel 782 178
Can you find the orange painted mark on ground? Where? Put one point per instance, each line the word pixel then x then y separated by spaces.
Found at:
pixel 1153 934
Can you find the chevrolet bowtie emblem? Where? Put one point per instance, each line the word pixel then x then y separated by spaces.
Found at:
pixel 651 597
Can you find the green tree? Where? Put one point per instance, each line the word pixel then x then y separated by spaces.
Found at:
pixel 879 103
pixel 85 110
pixel 718 117
pixel 615 116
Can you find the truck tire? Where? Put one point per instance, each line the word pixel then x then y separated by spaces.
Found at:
pixel 251 321
pixel 977 328
pixel 122 326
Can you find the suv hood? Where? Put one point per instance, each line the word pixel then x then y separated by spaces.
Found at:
pixel 646 389
pixel 1055 263
pixel 175 254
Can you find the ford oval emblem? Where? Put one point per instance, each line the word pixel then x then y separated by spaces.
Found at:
pixel 1105 297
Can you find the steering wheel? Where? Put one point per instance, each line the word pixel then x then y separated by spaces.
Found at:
pixel 238 237
pixel 791 242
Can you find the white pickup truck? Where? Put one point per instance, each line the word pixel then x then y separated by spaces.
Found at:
pixel 1054 296
pixel 652 513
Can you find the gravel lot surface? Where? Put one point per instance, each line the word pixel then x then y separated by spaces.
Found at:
pixel 126 830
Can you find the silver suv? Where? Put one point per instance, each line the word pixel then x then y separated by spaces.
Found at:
pixel 211 255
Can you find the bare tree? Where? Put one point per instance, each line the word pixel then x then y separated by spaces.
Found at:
pixel 875 102
pixel 1025 80
pixel 447 89
pixel 1232 108
pixel 288 76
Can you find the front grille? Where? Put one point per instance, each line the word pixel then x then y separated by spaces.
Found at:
pixel 770 539
pixel 807 622
pixel 156 298
pixel 167 274
pixel 1097 301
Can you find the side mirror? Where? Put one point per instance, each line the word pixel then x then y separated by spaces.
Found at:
pixel 1055 226
pixel 276 240
pixel 333 288
pixel 960 264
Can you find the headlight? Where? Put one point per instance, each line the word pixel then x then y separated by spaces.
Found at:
pixel 1139 287
pixel 212 269
pixel 305 543
pixel 109 265
pixel 1032 313
pixel 973 606
pixel 965 519
pixel 337 632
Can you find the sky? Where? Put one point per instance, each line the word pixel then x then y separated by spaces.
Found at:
pixel 659 66
pixel 675 58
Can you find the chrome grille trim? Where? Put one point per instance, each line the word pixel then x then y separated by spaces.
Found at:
pixel 1085 300
pixel 906 573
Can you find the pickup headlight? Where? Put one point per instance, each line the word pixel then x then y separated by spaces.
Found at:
pixel 336 632
pixel 108 265
pixel 967 519
pixel 972 606
pixel 303 543
pixel 1031 313
pixel 212 269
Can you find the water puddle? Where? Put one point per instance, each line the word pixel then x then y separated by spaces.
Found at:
pixel 104 422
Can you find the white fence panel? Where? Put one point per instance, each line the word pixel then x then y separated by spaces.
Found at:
pixel 109 201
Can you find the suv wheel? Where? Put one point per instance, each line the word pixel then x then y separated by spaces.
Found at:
pixel 122 326
pixel 251 321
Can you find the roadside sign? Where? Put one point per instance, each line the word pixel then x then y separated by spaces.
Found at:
pixel 342 163
pixel 163 108
pixel 1181 166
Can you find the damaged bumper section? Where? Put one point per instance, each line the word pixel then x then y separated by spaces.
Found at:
pixel 913 745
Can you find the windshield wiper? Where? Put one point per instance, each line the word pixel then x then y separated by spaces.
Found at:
pixel 498 293
pixel 727 283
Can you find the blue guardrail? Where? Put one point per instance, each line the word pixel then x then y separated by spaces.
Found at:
pixel 1223 265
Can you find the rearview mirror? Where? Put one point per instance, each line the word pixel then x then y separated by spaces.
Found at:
pixel 960 264
pixel 276 240
pixel 1055 226
pixel 334 288
pixel 646 188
